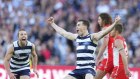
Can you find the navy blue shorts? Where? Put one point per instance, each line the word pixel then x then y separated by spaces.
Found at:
pixel 21 73
pixel 80 73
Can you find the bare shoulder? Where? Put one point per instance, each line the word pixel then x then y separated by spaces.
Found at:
pixel 10 48
pixel 118 42
pixel 75 35
pixel 93 38
pixel 33 45
pixel 71 36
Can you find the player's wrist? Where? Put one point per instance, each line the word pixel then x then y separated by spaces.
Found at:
pixel 8 73
pixel 126 69
pixel 34 69
pixel 52 23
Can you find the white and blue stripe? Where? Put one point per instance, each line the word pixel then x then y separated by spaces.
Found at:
pixel 21 57
pixel 85 52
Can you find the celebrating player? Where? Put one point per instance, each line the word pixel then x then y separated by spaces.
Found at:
pixel 18 54
pixel 86 46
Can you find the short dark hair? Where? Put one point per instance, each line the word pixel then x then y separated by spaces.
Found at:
pixel 119 28
pixel 85 22
pixel 21 30
pixel 106 18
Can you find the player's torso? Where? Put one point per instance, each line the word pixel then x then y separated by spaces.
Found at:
pixel 21 57
pixel 108 53
pixel 85 52
pixel 117 59
pixel 109 49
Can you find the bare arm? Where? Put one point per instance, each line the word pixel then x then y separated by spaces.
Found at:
pixel 103 47
pixel 120 48
pixel 7 58
pixel 61 31
pixel 34 58
pixel 34 61
pixel 101 34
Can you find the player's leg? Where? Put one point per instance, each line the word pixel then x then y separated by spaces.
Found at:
pixel 24 77
pixel 104 68
pixel 118 73
pixel 89 76
pixel 100 74
pixel 69 77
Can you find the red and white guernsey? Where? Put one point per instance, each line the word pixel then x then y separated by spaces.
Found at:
pixel 108 51
pixel 117 59
pixel 107 62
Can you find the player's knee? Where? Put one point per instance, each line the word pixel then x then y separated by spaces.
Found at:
pixel 100 74
pixel 69 77
pixel 89 76
pixel 24 77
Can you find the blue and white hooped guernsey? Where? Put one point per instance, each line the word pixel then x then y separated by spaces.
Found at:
pixel 21 57
pixel 85 52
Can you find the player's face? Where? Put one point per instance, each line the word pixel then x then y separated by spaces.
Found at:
pixel 113 33
pixel 80 28
pixel 22 36
pixel 99 21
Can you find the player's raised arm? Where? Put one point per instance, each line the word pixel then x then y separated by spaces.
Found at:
pixel 61 31
pixel 7 58
pixel 101 34
pixel 120 48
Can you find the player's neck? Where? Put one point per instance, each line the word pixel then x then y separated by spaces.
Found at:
pixel 117 35
pixel 85 34
pixel 22 44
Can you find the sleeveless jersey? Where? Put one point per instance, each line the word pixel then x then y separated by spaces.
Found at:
pixel 85 52
pixel 117 59
pixel 109 49
pixel 21 57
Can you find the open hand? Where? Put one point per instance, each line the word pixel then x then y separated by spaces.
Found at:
pixel 12 76
pixel 127 72
pixel 35 71
pixel 98 61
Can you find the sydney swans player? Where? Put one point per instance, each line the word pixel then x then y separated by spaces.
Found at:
pixel 120 55
pixel 105 64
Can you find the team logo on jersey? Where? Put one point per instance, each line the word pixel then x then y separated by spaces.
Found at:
pixel 17 55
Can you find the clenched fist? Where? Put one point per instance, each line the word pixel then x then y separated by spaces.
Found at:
pixel 117 19
pixel 50 20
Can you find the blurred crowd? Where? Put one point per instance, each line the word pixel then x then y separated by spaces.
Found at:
pixel 52 48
